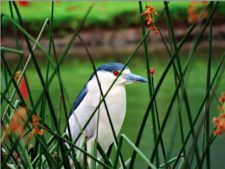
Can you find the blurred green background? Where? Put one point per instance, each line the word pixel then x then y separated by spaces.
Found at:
pixel 109 14
pixel 76 73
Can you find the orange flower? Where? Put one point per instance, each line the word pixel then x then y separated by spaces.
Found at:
pixel 145 13
pixel 16 123
pixel 149 21
pixel 219 122
pixel 151 10
pixel 205 2
pixel 36 129
pixel 205 14
pixel 155 29
pixel 152 71
pixel 193 18
pixel 39 131
pixel 193 14
pixel 17 75
pixel 35 120
pixel 35 124
pixel 222 97
pixel 149 15
pixel 220 109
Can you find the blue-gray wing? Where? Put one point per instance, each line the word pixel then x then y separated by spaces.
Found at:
pixel 80 114
pixel 79 99
pixel 77 102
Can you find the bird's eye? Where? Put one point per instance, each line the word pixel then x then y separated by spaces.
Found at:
pixel 115 73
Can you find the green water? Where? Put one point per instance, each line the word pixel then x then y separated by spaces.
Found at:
pixel 75 74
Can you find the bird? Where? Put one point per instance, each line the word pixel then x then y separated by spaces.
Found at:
pixel 99 128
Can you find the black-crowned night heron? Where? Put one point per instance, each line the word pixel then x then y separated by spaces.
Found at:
pixel 89 98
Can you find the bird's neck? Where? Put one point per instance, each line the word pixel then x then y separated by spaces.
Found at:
pixel 103 85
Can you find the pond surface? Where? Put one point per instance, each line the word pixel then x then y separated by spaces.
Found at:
pixel 75 74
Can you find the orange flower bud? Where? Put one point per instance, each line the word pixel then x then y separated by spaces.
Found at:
pixel 149 21
pixel 222 98
pixel 145 13
pixel 17 122
pixel 17 75
pixel 219 122
pixel 152 71
pixel 149 16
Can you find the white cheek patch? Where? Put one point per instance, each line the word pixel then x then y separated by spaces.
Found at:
pixel 126 71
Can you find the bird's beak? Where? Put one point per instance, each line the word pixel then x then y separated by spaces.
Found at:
pixel 134 78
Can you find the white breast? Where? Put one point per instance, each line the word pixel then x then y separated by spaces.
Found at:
pixel 116 103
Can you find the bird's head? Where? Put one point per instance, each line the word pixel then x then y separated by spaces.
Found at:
pixel 107 73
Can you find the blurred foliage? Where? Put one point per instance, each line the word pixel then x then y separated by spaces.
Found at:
pixel 104 14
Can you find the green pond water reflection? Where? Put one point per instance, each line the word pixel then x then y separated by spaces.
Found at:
pixel 75 74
